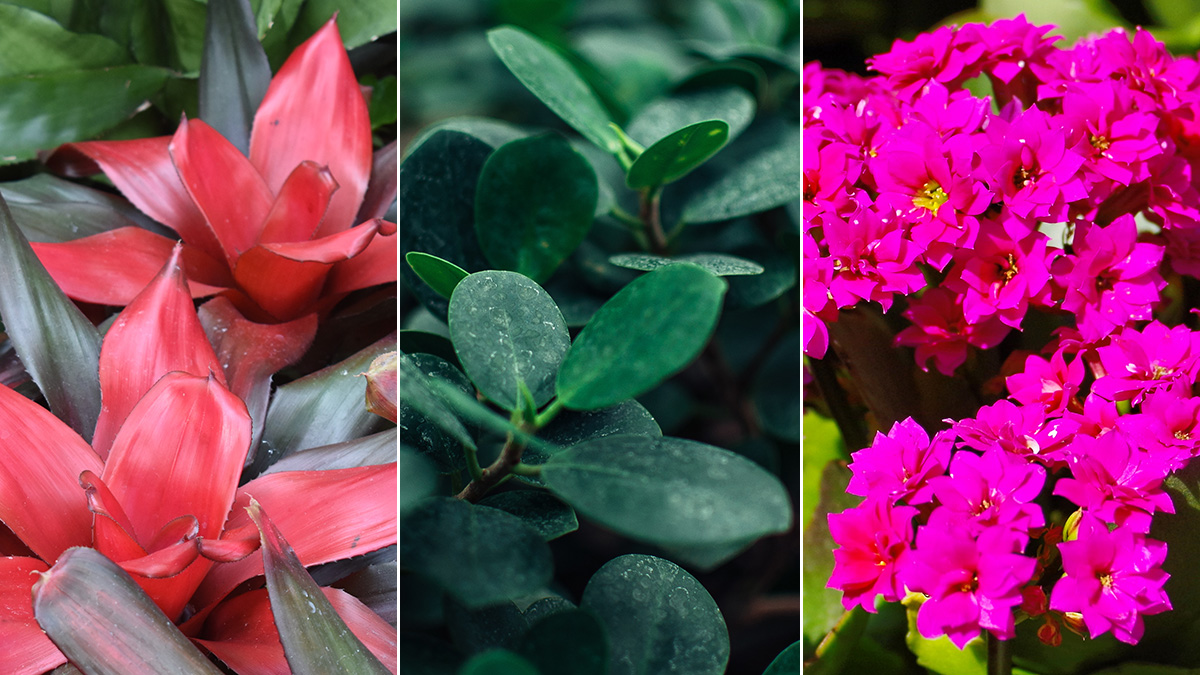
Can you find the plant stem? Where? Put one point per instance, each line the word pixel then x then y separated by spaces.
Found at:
pixel 651 219
pixel 999 655
pixel 548 414
pixel 490 477
pixel 527 469
pixel 473 462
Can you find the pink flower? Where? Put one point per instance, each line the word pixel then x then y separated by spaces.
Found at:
pixel 1115 480
pixel 1023 431
pixel 940 332
pixel 992 490
pixel 872 259
pixel 898 466
pixel 1052 384
pixel 1168 426
pixel 1139 362
pixel 940 56
pixel 875 539
pixel 1000 275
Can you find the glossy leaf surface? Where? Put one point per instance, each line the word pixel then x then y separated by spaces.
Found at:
pixel 720 264
pixel 674 156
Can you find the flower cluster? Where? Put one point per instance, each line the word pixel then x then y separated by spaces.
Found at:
pixel 1069 192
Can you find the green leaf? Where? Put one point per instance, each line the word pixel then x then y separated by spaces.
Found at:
pixel 823 606
pixel 492 132
pixel 481 556
pixel 546 607
pixel 1072 20
pixel 570 642
pixel 506 330
pixel 441 275
pixel 763 175
pixel 647 332
pixel 234 73
pixel 776 390
pixel 424 342
pixel 779 276
pixel 436 203
pixel 548 75
pixel 383 105
pixel 542 511
pixel 669 491
pixel 32 43
pixel 418 479
pixel 719 264
pixel 315 638
pixel 425 419
pixel 498 662
pixel 940 655
pixel 359 21
pixel 478 630
pixel 40 112
pixel 105 624
pixel 534 204
pixel 822 444
pixel 58 346
pixel 658 618
pixel 576 426
pixel 660 118
pixel 841 643
pixel 50 209
pixel 370 450
pixel 787 663
pixel 676 155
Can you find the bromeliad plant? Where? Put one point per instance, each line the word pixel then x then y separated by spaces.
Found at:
pixel 1036 244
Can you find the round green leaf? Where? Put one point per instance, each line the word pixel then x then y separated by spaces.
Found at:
pixel 570 642
pixel 424 418
pixel 495 627
pixel 664 116
pixel 676 155
pixel 418 478
pixel 647 332
pixel 777 390
pixel 548 75
pixel 542 511
pixel 717 263
pixel 779 275
pixel 498 662
pixel 669 491
pixel 658 618
pixel 627 417
pixel 787 663
pixel 545 607
pixel 534 204
pixel 506 330
pixel 767 174
pixel 480 556
pixel 441 275
pixel 493 132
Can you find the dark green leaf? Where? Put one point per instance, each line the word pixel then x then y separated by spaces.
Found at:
pixel 669 491
pixel 424 655
pixel 492 132
pixel 384 95
pixel 664 116
pixel 441 275
pixel 474 631
pixel 545 607
pixel 370 450
pixel 32 43
pixel 572 426
pixel 570 642
pixel 469 409
pixel 234 73
pixel 423 342
pixel 104 623
pixel 359 21
pixel 658 618
pixel 58 346
pixel 424 418
pixel 777 390
pixel 481 556
pixel 787 663
pixel 676 155
pixel 548 75
pixel 418 479
pixel 437 206
pixel 506 330
pixel 50 209
pixel 315 638
pixel 186 34
pixel 766 175
pixel 719 264
pixel 779 275
pixel 534 204
pixel 39 112
pixel 498 662
pixel 629 65
pixel 542 511
pixel 59 10
pixel 647 332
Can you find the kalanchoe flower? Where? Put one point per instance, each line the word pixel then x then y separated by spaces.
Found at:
pixel 941 333
pixel 1015 51
pixel 1023 431
pixel 991 490
pixel 874 539
pixel 1052 384
pixel 1112 578
pixel 1000 276
pixel 1139 362
pixel 898 466
pixel 939 56
pixel 872 259
pixel 1115 480
pixel 1168 426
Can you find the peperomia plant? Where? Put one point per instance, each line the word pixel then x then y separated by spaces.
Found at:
pixel 599 384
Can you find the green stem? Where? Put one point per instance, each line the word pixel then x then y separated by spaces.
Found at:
pixel 548 414
pixel 521 469
pixel 999 655
pixel 473 462
pixel 652 220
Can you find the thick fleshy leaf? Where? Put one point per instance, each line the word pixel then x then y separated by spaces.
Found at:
pixel 570 642
pixel 370 450
pixel 645 333
pixel 313 110
pixel 543 511
pixel 50 209
pixel 381 190
pixel 658 618
pixel 234 72
pixel 719 264
pixel 252 352
pixel 552 79
pixel 477 630
pixel 676 155
pixel 32 43
pixel 300 205
pixel 25 646
pixel 375 265
pixel 211 168
pixel 38 112
pixel 494 556
pixel 58 346
pixel 157 333
pixel 418 479
pixel 787 662
pixel 143 171
pixel 507 330
pixel 498 662
pixel 321 408
pixel 426 420
pixel 764 172
pixel 200 433
pixel 112 533
pixel 111 268
pixel 534 205
pixel 660 118
pixel 315 639
pixel 105 624
pixel 325 516
pixel 441 275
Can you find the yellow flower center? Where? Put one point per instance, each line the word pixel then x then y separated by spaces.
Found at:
pixel 931 196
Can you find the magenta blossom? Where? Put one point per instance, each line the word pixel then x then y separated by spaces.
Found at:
pixel 898 466
pixel 1168 426
pixel 1137 362
pixel 875 539
pixel 1052 384
pixel 941 333
pixel 1115 480
pixel 939 56
pixel 991 490
pixel 1023 431
pixel 1000 275
pixel 872 259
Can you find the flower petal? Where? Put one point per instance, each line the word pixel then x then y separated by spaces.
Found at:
pixel 376 265
pixel 143 171
pixel 300 205
pixel 224 184
pixel 315 111
pixel 40 462
pixel 157 333
pixel 180 452
pixel 25 647
pixel 111 268
pixel 324 515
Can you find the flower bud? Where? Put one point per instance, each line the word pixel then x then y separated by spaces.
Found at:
pixel 381 386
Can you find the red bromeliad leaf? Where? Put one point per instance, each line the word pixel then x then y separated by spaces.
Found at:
pixel 381 190
pixel 111 268
pixel 105 624
pixel 376 265
pixel 232 546
pixel 112 533
pixel 381 386
pixel 143 171
pixel 40 462
pixel 315 639
pixel 300 205
pixel 213 171
pixel 325 515
pixel 179 453
pixel 25 647
pixel 289 129
pixel 156 334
